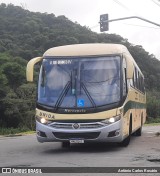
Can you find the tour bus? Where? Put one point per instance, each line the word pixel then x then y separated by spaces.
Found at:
pixel 88 93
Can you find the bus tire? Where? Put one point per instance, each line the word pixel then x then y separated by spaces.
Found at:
pixel 65 144
pixel 139 131
pixel 126 141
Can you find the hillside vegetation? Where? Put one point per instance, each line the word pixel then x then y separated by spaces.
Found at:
pixel 25 34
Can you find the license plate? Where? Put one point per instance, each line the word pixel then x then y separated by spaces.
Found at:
pixel 76 141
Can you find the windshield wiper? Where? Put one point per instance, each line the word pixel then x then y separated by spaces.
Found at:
pixel 62 95
pixel 88 95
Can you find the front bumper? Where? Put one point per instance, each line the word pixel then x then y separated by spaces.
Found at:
pixel 90 132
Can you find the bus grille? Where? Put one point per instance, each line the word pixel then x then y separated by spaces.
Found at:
pixel 86 135
pixel 58 125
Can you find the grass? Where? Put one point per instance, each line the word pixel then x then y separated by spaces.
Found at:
pixel 151 124
pixel 153 120
pixel 15 131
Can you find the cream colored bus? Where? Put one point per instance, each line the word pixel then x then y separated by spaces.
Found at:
pixel 88 93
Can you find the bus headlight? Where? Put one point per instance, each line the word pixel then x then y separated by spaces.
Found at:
pixel 43 120
pixel 111 120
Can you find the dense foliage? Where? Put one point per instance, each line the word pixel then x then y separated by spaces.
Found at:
pixel 16 97
pixel 25 34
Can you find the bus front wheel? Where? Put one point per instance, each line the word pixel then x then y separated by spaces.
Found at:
pixel 126 141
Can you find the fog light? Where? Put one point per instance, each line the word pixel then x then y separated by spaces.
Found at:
pixel 38 133
pixel 113 133
pixel 117 133
pixel 41 133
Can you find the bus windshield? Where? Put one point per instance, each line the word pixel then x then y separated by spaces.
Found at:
pixel 79 82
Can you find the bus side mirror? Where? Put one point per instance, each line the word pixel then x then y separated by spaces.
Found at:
pixel 30 68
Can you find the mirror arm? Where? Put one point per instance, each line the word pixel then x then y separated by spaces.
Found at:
pixel 30 68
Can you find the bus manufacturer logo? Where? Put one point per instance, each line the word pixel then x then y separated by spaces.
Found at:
pixel 76 126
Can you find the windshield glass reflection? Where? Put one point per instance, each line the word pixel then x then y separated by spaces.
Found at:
pixel 79 82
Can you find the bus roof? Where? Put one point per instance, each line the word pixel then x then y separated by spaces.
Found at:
pixel 86 50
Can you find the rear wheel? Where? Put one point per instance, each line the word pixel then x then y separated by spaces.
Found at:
pixel 139 131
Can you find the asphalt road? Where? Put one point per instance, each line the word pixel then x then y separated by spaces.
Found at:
pixel 25 151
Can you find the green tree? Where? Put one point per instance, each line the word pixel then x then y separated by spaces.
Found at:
pixel 15 74
pixel 153 104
